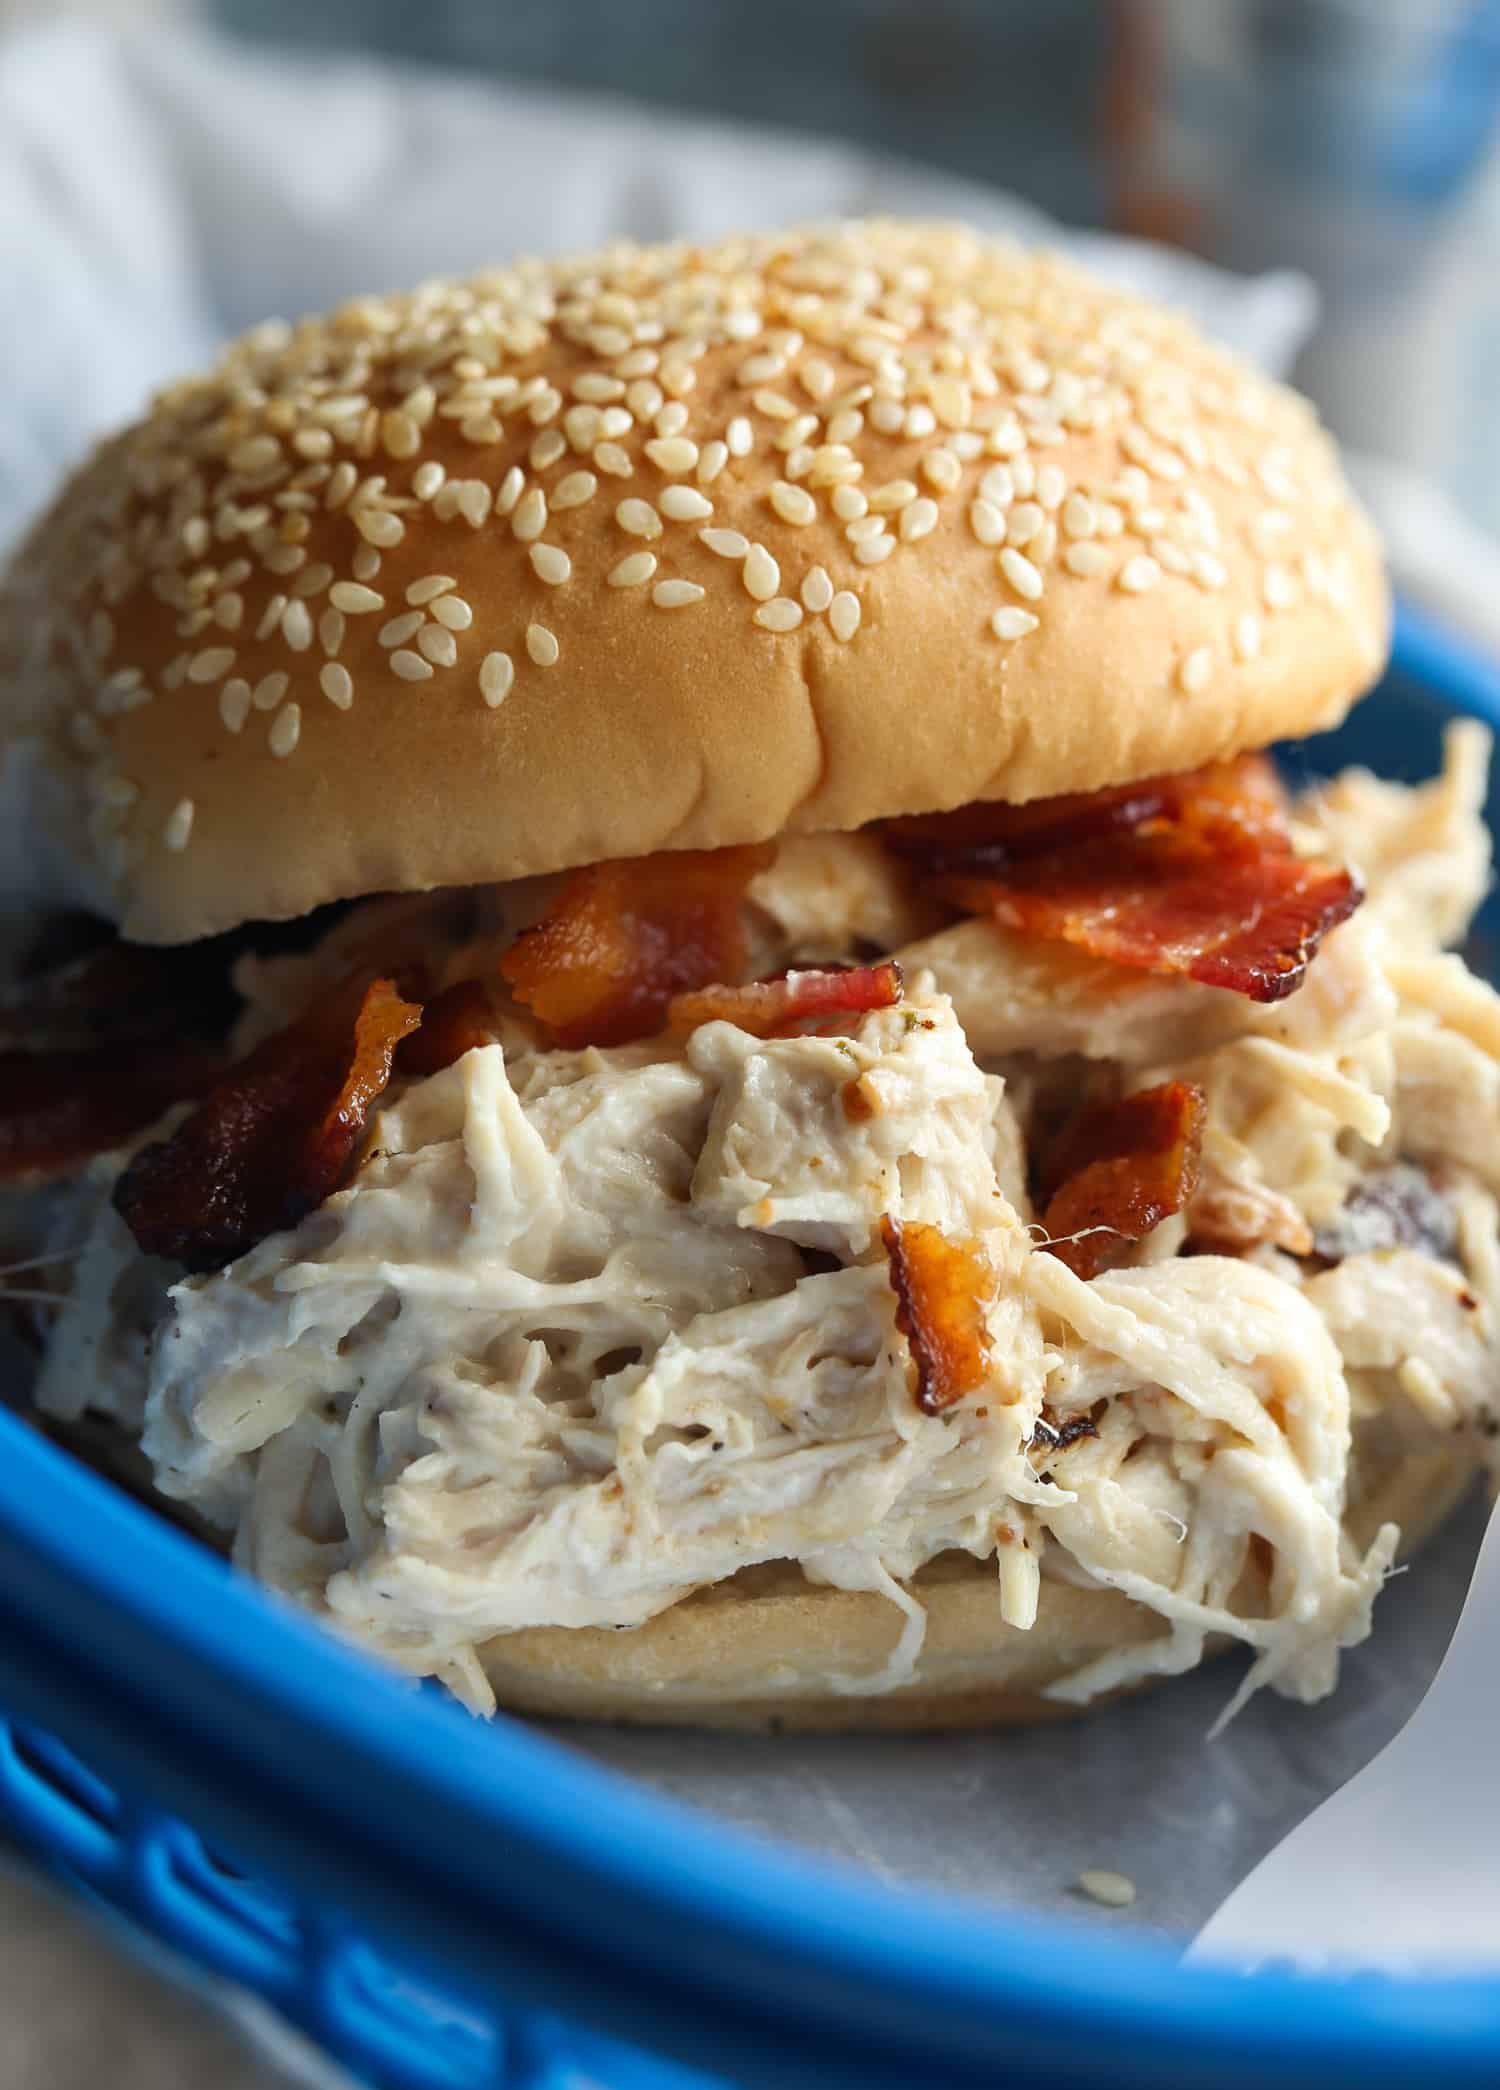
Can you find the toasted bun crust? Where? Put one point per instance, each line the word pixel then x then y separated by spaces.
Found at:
pixel 228 732
pixel 757 1652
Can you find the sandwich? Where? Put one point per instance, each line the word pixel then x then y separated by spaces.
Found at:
pixel 679 1056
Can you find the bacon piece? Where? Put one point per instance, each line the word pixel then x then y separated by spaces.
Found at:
pixel 274 1137
pixel 940 1287
pixel 1242 798
pixel 453 1023
pixel 1191 875
pixel 1121 1170
pixel 766 1008
pixel 59 1109
pixel 621 939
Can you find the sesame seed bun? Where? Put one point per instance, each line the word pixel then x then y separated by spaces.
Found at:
pixel 757 1651
pixel 668 547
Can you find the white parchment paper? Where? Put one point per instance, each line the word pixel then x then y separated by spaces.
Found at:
pixel 159 191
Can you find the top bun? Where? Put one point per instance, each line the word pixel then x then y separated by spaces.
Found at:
pixel 668 547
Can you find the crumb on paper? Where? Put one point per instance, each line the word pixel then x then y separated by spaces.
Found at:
pixel 1113 1889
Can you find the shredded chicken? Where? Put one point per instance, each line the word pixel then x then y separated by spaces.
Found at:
pixel 589 1330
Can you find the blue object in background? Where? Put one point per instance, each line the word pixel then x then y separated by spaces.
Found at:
pixel 511 1882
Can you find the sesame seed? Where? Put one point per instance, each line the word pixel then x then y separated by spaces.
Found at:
pixel 676 595
pixel 638 519
pixel 496 674
pixel 1111 1889
pixel 633 569
pixel 331 631
pixel 817 590
pixel 437 645
pixel 428 589
pixel 427 478
pixel 673 454
pixel 644 398
pixel 780 614
pixel 283 558
pixel 893 495
pixel 410 667
pixel 1247 636
pixel 843 615
pixel 542 645
pixel 379 527
pixel 920 420
pixel 1025 521
pixel 794 504
pixel 987 522
pixel 297 626
pixel 1138 575
pixel 257 455
pixel 1013 623
pixel 234 703
pixel 475 499
pixel 509 491
pixel 550 564
pixel 341 483
pixel 400 434
pixel 336 684
pixel 286 730
pixel 612 459
pixel 760 573
pixel 1170 556
pixel 573 491
pixel 863 527
pixel 940 468
pixel 399 629
pixel 615 422
pixel 549 446
pixel 179 826
pixel 671 419
pixel 816 377
pixel 354 599
pixel 918 519
pixel 888 416
pixel 1022 575
pixel 452 612
pixel 1079 516
pixel 740 436
pixel 211 665
pixel 1051 486
pixel 270 690
pixel 684 504
pixel 1278 590
pixel 365 563
pixel 728 544
pixel 870 551
pixel 1196 669
pixel 849 504
pixel 712 459
pixel 229 610
pixel 1087 558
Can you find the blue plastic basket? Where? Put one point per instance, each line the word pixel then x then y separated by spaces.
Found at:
pixel 459 1905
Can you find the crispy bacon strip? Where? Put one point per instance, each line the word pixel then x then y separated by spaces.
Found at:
pixel 940 1286
pixel 1121 1170
pixel 59 1109
pixel 621 939
pixel 1191 875
pixel 273 1138
pixel 766 1008
pixel 453 1023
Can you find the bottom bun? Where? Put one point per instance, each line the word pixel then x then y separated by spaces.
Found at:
pixel 757 1652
